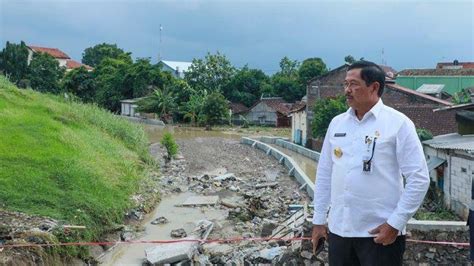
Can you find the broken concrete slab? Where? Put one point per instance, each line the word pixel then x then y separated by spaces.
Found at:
pixel 200 201
pixel 271 253
pixel 160 220
pixel 267 184
pixel 178 233
pixel 228 176
pixel 170 253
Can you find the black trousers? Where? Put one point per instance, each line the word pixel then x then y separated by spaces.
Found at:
pixel 364 251
pixel 470 223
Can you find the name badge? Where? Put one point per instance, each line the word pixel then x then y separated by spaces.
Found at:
pixel 339 135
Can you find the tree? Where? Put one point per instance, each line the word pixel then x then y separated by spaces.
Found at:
pixel 324 111
pixel 44 73
pixel 247 86
pixel 212 73
pixel 424 134
pixel 349 59
pixel 14 61
pixel 93 56
pixel 110 76
pixel 286 82
pixel 81 83
pixel 215 108
pixel 461 97
pixel 192 109
pixel 310 68
pixel 289 67
pixel 161 102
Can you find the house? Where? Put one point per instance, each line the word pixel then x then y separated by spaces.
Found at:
pixel 176 68
pixel 298 122
pixel 450 161
pixel 455 65
pixel 454 80
pixel 417 106
pixel 237 111
pixel 271 111
pixel 63 59
pixel 128 107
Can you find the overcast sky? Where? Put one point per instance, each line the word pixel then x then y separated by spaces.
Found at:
pixel 412 34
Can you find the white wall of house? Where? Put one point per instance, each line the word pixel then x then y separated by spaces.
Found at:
pixel 62 62
pixel 262 114
pixel 458 176
pixel 129 109
pixel 298 122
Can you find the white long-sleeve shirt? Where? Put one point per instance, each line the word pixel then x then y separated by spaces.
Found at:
pixel 360 201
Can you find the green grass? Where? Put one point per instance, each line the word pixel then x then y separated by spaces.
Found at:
pixel 66 160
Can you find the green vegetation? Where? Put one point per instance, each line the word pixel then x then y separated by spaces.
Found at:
pixel 72 162
pixel 324 111
pixel 462 97
pixel 424 134
pixel 170 144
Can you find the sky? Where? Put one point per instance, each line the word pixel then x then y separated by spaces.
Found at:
pixel 402 34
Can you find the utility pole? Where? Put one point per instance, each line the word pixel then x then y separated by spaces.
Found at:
pixel 159 45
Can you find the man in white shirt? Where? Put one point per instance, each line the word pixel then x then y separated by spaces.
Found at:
pixel 365 153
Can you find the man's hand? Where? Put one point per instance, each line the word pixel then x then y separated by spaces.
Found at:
pixel 385 234
pixel 319 231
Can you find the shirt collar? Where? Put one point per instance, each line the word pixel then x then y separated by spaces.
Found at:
pixel 375 110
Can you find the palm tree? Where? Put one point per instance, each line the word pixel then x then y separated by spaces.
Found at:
pixel 162 102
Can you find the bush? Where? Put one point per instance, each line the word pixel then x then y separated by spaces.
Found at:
pixel 170 144
pixel 424 134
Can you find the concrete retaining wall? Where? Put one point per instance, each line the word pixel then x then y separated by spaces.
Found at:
pixel 285 143
pixel 291 165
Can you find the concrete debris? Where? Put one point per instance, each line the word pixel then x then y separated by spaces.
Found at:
pixel 271 253
pixel 201 201
pixel 178 233
pixel 228 176
pixel 267 184
pixel 160 220
pixel 170 253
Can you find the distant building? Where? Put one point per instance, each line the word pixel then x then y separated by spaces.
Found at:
pixel 128 107
pixel 237 111
pixel 177 69
pixel 455 65
pixel 63 59
pixel 298 123
pixel 450 161
pixel 272 111
pixel 417 106
pixel 454 80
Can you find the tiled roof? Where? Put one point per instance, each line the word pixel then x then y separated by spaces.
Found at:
pixel 298 106
pixel 451 64
pixel 416 93
pixel 277 103
pixel 54 52
pixel 71 64
pixel 437 72
pixel 452 141
pixel 238 108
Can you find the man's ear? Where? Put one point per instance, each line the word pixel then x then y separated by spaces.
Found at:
pixel 376 87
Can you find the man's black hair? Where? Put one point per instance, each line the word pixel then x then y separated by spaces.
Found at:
pixel 370 73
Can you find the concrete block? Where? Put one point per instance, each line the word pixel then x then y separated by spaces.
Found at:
pixel 170 253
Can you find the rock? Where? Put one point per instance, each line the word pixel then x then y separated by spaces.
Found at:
pixel 443 236
pixel 217 249
pixel 234 188
pixel 433 250
pixel 176 190
pixel 178 233
pixel 225 177
pixel 271 253
pixel 267 184
pixel 306 254
pixel 247 235
pixel 137 215
pixel 430 255
pixel 160 220
pixel 127 236
pixel 170 253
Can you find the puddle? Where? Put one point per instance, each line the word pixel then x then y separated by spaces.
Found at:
pixel 178 217
pixel 155 133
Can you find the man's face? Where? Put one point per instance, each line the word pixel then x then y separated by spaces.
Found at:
pixel 358 94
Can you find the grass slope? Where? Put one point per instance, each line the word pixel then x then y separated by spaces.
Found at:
pixel 70 161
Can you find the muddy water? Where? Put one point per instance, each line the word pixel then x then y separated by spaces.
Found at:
pixel 178 217
pixel 155 133
pixel 307 165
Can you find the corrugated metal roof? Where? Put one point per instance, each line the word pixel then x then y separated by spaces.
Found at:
pixel 430 88
pixel 452 141
pixel 182 66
